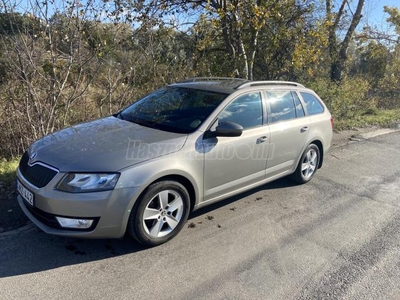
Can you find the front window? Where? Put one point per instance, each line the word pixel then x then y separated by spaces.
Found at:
pixel 246 110
pixel 174 109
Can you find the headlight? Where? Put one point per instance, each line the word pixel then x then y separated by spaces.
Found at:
pixel 81 182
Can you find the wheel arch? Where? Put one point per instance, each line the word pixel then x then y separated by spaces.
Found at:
pixel 185 182
pixel 318 143
pixel 178 178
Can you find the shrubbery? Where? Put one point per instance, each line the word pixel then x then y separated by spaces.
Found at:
pixel 62 69
pixel 346 99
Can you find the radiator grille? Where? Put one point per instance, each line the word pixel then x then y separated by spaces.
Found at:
pixel 37 174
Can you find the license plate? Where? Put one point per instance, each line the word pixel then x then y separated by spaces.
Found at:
pixel 25 193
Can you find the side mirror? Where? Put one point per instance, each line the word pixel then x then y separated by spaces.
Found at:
pixel 228 129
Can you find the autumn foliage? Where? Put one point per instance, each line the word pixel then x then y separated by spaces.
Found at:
pixel 65 62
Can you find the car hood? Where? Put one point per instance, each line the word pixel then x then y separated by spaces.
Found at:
pixel 105 145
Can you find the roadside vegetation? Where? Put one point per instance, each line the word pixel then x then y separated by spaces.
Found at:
pixel 7 171
pixel 64 62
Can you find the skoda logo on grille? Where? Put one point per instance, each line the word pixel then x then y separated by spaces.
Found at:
pixel 32 157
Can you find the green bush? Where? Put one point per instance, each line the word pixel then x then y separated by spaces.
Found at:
pixel 7 170
pixel 348 99
pixel 389 88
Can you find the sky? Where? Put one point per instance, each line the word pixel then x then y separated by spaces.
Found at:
pixel 373 12
pixel 372 15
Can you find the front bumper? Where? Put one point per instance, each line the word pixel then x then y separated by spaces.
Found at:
pixel 109 209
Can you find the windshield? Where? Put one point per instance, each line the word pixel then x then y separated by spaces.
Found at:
pixel 174 109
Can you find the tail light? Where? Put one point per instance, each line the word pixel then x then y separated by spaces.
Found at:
pixel 332 122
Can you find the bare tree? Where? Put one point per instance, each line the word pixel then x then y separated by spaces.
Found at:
pixel 338 50
pixel 54 54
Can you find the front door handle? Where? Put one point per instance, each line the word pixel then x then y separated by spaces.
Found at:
pixel 262 139
pixel 304 129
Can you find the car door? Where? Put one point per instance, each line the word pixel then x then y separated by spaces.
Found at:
pixel 289 128
pixel 232 163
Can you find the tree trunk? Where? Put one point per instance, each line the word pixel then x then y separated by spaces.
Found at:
pixel 338 52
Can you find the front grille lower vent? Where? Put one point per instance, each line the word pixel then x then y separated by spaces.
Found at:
pixel 37 174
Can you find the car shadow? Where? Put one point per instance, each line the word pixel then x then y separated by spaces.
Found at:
pixel 34 251
pixel 278 184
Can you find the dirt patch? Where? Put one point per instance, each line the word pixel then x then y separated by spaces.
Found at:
pixel 343 137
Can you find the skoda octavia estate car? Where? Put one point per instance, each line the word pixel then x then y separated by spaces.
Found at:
pixel 189 144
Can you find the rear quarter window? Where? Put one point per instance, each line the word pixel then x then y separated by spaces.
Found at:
pixel 313 105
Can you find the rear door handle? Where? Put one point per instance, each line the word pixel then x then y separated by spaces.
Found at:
pixel 262 139
pixel 304 129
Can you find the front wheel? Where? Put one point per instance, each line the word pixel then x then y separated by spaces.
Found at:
pixel 308 164
pixel 160 213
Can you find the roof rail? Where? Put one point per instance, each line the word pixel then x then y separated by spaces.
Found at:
pixel 194 79
pixel 268 82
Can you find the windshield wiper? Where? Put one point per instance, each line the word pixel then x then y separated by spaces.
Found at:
pixel 119 116
pixel 150 124
pixel 145 123
pixel 133 120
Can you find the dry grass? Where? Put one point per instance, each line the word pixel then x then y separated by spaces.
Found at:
pixel 381 118
pixel 7 171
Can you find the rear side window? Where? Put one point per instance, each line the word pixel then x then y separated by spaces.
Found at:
pixel 313 105
pixel 281 105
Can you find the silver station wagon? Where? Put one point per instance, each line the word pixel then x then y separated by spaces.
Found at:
pixel 189 144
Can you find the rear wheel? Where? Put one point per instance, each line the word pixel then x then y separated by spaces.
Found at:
pixel 160 213
pixel 308 164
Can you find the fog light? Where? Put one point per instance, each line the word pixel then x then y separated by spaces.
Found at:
pixel 74 223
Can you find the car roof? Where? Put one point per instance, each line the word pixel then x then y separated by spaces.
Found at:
pixel 228 85
pixel 215 84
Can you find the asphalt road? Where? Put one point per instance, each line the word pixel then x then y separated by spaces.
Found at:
pixel 337 237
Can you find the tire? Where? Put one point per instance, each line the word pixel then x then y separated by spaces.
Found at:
pixel 160 213
pixel 308 164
